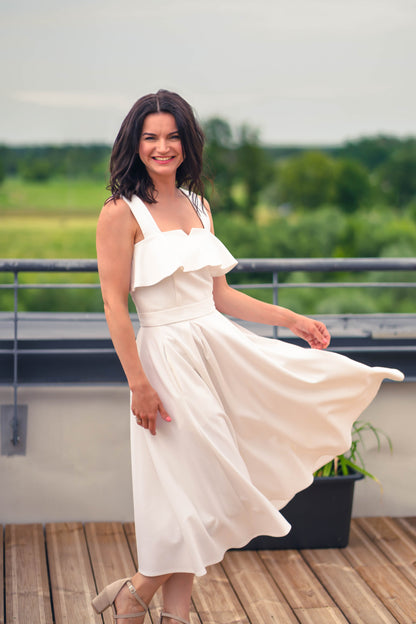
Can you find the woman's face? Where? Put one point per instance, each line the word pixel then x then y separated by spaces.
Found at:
pixel 160 147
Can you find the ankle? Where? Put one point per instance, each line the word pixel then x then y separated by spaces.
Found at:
pixel 145 586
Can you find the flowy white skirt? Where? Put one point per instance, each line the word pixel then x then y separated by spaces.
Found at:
pixel 252 418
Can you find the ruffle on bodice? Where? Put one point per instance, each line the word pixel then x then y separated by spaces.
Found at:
pixel 162 254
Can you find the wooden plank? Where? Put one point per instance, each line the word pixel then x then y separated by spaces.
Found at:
pixel 320 615
pixel 215 599
pixel 257 591
pixel 352 595
pixel 306 596
pixel 110 555
pixel 388 583
pixel 394 542
pixel 409 525
pixel 27 587
pixel 72 581
pixel 1 576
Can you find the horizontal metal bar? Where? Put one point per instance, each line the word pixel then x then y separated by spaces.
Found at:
pixel 380 348
pixel 251 265
pixel 377 349
pixel 329 285
pixel 236 286
pixel 75 384
pixel 49 286
pixel 53 266
pixel 59 351
pixel 59 317
pixel 257 265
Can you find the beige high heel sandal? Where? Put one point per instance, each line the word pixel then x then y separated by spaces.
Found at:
pixel 108 595
pixel 164 614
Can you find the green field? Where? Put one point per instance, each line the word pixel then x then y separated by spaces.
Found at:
pixel 53 236
pixel 48 221
pixel 53 220
pixel 58 219
pixel 58 195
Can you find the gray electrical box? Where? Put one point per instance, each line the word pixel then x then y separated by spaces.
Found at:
pixel 13 429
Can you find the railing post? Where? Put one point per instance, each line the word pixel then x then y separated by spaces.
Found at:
pixel 15 423
pixel 14 416
pixel 275 298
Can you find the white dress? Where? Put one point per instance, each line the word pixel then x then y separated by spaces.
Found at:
pixel 252 418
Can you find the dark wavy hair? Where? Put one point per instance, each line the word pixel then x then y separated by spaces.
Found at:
pixel 128 175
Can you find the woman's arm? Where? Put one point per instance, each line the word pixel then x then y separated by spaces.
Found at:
pixel 242 306
pixel 237 304
pixel 117 231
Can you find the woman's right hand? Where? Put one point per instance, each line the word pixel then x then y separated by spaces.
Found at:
pixel 145 405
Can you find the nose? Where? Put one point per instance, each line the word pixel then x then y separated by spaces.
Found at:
pixel 162 146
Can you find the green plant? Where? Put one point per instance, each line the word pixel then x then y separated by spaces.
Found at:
pixel 352 459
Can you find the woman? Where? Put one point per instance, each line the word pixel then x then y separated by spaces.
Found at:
pixel 241 421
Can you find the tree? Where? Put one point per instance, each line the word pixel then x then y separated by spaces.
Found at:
pixel 352 184
pixel 2 171
pixel 36 170
pixel 369 151
pixel 398 174
pixel 219 163
pixel 253 167
pixel 307 180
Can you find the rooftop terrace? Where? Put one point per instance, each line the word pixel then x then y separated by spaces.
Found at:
pixel 52 574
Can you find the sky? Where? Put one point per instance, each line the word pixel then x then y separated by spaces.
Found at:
pixel 300 71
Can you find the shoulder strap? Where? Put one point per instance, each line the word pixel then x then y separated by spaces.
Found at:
pixel 199 207
pixel 142 215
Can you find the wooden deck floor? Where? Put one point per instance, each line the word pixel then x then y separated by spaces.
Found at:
pixel 51 573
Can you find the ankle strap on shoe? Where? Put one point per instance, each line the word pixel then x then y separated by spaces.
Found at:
pixel 132 590
pixel 164 614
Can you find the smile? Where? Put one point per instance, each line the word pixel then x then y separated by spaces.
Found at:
pixel 160 159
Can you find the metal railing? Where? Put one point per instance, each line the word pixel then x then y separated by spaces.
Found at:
pixel 270 266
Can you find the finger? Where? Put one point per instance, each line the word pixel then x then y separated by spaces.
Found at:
pixel 152 426
pixel 317 342
pixel 164 413
pixel 326 338
pixel 322 335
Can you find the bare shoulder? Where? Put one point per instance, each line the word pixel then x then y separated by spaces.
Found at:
pixel 117 219
pixel 115 209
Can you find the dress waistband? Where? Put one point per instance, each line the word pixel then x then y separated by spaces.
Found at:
pixel 176 315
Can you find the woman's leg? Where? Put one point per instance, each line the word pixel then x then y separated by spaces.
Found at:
pixel 177 592
pixel 145 586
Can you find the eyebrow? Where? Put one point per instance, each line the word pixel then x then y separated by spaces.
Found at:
pixel 153 134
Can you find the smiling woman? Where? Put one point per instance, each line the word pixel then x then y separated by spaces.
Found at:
pixel 242 422
pixel 129 174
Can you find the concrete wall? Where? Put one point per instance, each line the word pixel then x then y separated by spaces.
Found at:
pixel 77 464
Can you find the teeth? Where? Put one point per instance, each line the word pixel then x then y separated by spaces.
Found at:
pixel 163 158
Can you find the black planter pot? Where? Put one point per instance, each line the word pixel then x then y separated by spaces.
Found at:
pixel 320 516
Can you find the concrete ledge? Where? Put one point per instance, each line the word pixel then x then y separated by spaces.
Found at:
pixel 77 462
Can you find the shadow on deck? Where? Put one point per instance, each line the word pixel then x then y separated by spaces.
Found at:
pixel 52 573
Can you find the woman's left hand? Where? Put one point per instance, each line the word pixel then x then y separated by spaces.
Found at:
pixel 314 332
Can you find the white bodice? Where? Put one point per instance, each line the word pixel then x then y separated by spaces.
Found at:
pixel 171 273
